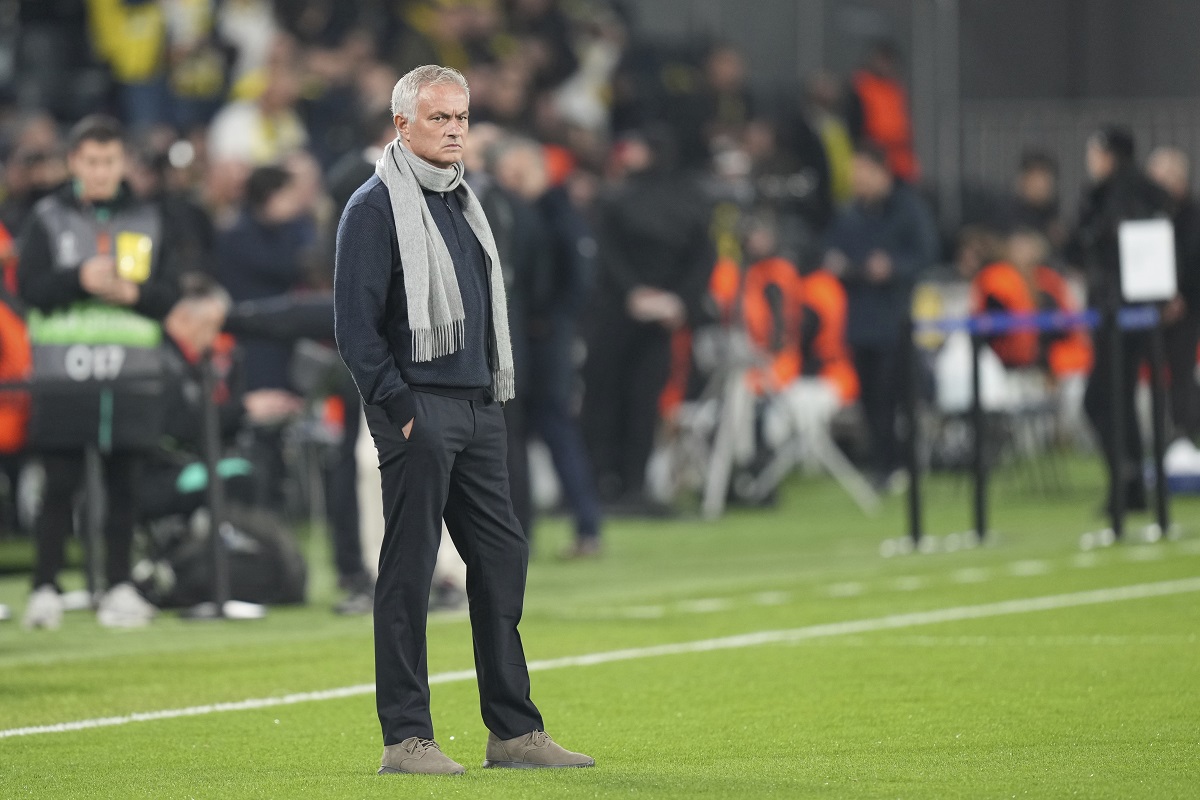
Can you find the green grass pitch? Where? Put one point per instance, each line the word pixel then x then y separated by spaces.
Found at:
pixel 1093 701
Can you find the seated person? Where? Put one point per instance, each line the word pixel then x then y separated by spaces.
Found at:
pixel 825 354
pixel 175 478
pixel 1023 284
pixel 797 320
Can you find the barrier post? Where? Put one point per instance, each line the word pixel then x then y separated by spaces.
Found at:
pixel 1116 388
pixel 908 359
pixel 216 490
pixel 219 607
pixel 93 520
pixel 979 425
pixel 1158 401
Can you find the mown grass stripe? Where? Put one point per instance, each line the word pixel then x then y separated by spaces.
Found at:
pixel 756 639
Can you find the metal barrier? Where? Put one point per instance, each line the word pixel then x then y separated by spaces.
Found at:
pixel 982 326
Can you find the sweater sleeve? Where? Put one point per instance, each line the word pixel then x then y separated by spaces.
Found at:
pixel 362 275
pixel 39 282
pixel 613 262
pixel 699 261
pixel 918 249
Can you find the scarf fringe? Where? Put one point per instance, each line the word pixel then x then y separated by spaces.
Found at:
pixel 431 343
pixel 504 384
pixel 434 303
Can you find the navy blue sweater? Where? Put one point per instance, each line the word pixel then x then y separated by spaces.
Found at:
pixel 902 227
pixel 256 261
pixel 371 306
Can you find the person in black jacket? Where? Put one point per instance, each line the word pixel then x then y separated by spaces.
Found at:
pixel 521 242
pixel 1118 192
pixel 262 256
pixel 93 243
pixel 569 250
pixel 1169 168
pixel 655 258
pixel 421 322
pixel 877 247
pixel 173 479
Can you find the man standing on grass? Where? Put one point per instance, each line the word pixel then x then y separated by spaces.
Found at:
pixel 422 325
pixel 96 259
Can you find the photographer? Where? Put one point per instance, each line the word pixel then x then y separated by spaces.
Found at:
pixel 92 246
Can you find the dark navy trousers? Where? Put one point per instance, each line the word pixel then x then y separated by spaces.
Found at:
pixel 451 467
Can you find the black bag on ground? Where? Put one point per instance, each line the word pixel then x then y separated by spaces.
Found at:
pixel 265 563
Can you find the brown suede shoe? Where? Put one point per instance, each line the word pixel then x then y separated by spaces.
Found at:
pixel 534 750
pixel 417 756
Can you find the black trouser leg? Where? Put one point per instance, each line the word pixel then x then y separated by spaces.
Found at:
pixel 879 376
pixel 266 454
pixel 1097 402
pixel 550 416
pixel 649 366
pixel 560 432
pixel 120 474
pixel 415 475
pixel 64 471
pixel 1182 339
pixel 456 447
pixel 605 377
pixel 518 463
pixel 343 496
pixel 64 474
pixel 480 518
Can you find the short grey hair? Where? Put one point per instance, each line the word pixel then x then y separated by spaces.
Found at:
pixel 404 94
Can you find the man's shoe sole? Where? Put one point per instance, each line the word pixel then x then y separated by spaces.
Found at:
pixel 529 765
pixel 398 771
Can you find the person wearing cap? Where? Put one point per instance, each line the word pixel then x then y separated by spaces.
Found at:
pixel 1117 192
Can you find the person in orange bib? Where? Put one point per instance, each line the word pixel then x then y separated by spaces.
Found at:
pixel 797 320
pixel 1023 284
pixel 878 110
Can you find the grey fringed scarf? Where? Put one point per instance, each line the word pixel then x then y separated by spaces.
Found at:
pixel 435 309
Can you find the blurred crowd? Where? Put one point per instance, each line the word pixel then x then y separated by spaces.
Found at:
pixel 643 195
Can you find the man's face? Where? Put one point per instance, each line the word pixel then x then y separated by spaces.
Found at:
pixel 869 181
pixel 98 166
pixel 1026 250
pixel 438 134
pixel 523 172
pixel 196 323
pixel 1169 169
pixel 283 206
pixel 1037 186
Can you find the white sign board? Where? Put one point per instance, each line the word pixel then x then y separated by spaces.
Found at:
pixel 1147 260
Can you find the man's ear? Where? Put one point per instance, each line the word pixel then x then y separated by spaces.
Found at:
pixel 401 126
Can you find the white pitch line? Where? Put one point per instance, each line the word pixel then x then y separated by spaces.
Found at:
pixel 850 627
pixel 643 612
pixel 705 605
pixel 971 575
pixel 909 583
pixel 771 598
